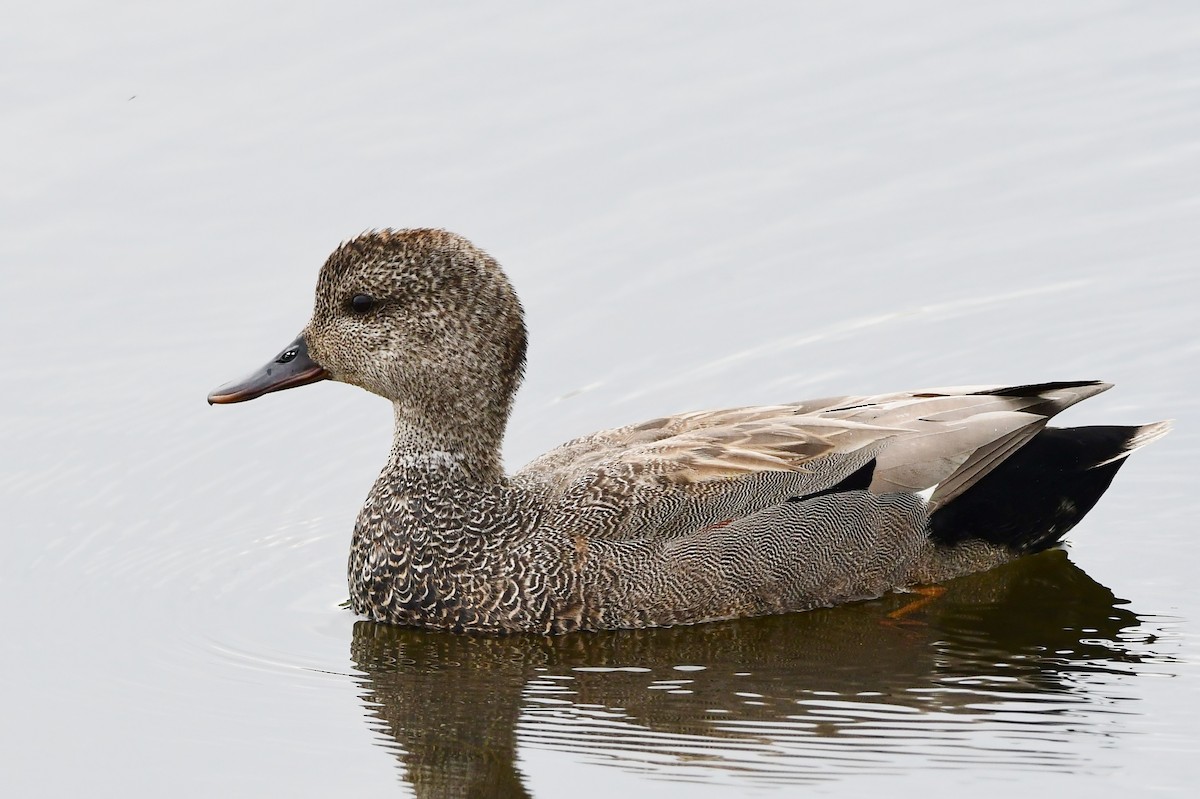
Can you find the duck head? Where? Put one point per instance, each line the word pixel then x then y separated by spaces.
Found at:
pixel 423 318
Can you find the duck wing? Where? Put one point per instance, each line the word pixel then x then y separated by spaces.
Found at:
pixel 674 475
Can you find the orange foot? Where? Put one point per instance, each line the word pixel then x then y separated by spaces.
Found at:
pixel 925 595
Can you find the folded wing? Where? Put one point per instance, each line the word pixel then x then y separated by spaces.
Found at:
pixel 674 475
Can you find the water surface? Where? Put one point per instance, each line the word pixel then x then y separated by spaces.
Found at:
pixel 701 206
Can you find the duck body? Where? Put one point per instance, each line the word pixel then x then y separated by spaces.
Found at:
pixel 684 519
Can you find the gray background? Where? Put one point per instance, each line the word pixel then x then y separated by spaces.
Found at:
pixel 701 205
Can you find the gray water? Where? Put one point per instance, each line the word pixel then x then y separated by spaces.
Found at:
pixel 701 205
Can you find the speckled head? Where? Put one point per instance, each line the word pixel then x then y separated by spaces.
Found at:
pixel 425 319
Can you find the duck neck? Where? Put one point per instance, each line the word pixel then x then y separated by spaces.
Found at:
pixel 472 457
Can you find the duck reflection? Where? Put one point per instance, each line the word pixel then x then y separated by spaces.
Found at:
pixel 775 697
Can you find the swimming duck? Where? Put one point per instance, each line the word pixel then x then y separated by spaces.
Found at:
pixel 697 517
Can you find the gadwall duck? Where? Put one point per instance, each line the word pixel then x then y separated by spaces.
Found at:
pixel 691 518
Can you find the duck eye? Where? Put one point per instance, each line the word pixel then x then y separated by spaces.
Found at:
pixel 362 303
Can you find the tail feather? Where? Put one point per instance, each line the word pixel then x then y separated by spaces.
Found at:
pixel 1146 434
pixel 1030 501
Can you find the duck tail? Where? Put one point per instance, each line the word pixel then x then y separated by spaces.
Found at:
pixel 1030 501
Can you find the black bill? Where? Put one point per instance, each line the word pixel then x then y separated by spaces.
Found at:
pixel 292 368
